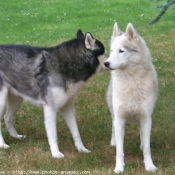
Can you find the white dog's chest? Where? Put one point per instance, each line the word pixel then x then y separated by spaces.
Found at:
pixel 128 99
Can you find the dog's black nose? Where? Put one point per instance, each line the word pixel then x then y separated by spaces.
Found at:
pixel 106 64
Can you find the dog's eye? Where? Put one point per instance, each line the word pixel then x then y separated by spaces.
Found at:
pixel 121 50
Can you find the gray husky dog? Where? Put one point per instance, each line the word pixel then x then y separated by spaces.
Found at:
pixel 49 77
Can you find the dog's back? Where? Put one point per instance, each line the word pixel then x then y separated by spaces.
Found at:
pixel 29 70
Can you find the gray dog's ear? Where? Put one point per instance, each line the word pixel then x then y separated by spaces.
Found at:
pixel 89 41
pixel 80 34
pixel 116 32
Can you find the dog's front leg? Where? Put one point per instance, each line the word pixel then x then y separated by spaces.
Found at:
pixel 145 131
pixel 109 102
pixel 50 117
pixel 68 114
pixel 119 134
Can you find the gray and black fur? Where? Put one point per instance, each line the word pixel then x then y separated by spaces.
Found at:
pixel 38 74
pixel 27 68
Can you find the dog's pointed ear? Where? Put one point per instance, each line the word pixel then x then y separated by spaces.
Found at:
pixel 89 41
pixel 131 33
pixel 116 31
pixel 80 34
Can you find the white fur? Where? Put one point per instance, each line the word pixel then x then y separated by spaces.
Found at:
pixel 132 91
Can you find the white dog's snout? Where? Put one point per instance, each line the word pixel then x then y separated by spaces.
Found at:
pixel 106 63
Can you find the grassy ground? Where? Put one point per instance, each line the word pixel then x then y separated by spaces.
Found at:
pixel 47 23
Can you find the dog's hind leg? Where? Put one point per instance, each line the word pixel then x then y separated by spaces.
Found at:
pixel 50 116
pixel 68 114
pixel 12 105
pixel 145 131
pixel 3 97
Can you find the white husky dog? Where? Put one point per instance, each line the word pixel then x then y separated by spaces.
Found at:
pixel 132 91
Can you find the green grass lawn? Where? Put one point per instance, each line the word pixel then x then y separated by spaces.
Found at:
pixel 48 23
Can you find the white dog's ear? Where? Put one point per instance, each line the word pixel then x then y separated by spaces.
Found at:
pixel 89 41
pixel 131 32
pixel 116 32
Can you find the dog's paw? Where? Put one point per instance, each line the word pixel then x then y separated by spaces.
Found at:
pixel 80 147
pixel 4 146
pixel 119 167
pixel 118 170
pixel 112 144
pixel 21 136
pixel 83 149
pixel 58 155
pixel 149 165
pixel 150 168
